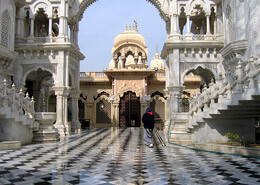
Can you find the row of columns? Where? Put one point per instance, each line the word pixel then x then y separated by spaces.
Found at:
pixel 174 29
pixel 175 24
pixel 63 24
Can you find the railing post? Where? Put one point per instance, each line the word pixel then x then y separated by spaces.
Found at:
pixel 239 73
pixel 21 97
pixel 14 107
pixel 5 101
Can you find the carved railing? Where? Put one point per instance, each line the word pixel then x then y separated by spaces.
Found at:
pixel 243 81
pixel 36 40
pixel 91 74
pixel 19 103
pixel 196 37
pixel 82 74
pixel 160 74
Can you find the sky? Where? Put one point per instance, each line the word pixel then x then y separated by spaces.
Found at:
pixel 105 19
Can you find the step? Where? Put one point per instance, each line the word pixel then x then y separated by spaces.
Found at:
pixel 10 145
pixel 233 116
pixel 256 97
pixel 180 135
pixel 249 102
pixel 244 107
pixel 182 142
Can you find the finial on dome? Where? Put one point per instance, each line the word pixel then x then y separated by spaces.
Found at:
pixel 130 29
pixel 156 48
pixel 136 26
pixel 126 27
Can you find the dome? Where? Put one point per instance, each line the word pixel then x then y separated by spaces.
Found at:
pixel 130 35
pixel 157 62
pixel 111 64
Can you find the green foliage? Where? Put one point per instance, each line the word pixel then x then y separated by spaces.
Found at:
pixel 235 138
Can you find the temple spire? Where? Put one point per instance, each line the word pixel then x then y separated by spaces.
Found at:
pixel 136 26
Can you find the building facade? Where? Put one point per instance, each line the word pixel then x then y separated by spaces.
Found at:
pixel 119 95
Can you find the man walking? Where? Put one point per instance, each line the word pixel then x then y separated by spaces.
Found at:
pixel 148 120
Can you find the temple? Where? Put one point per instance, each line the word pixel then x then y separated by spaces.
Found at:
pixel 207 72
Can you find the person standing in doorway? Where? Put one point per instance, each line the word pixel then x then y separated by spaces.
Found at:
pixel 148 120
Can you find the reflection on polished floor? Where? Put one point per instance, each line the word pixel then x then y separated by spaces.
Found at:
pixel 119 156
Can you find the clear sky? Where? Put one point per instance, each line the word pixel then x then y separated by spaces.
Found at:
pixel 105 19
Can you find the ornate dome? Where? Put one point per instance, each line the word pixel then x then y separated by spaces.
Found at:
pixel 130 35
pixel 157 62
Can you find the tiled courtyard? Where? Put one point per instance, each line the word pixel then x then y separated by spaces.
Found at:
pixel 119 156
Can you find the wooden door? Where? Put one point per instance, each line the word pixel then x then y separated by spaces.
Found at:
pixel 130 109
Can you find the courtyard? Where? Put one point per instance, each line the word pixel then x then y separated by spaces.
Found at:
pixel 119 156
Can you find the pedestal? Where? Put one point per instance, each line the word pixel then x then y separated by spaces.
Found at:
pixel 46 133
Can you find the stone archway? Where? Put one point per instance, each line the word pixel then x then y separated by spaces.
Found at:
pixel 129 110
pixel 161 5
pixel 38 84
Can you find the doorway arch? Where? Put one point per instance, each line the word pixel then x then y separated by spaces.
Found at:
pixel 80 8
pixel 130 110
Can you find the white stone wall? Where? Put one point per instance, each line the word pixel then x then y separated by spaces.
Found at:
pixel 214 131
pixel 245 22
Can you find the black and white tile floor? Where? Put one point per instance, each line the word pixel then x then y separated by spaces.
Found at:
pixel 119 156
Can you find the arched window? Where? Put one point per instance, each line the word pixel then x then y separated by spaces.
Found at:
pixel 158 107
pixel 103 111
pixel 5 29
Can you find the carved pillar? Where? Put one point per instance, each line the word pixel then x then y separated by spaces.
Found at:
pixel 75 124
pixel 188 24
pixel 31 37
pixel 62 111
pixel 174 92
pixel 215 25
pixel 32 28
pixel 188 35
pixel 63 29
pixel 115 114
pixel 208 25
pixel 50 26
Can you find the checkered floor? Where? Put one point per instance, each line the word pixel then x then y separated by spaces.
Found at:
pixel 119 156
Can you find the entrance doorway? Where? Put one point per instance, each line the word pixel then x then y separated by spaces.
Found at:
pixel 129 110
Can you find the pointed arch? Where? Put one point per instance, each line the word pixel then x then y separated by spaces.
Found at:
pixel 84 4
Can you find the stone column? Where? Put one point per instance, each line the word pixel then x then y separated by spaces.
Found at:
pixel 208 34
pixel 188 35
pixel 75 124
pixel 32 28
pixel 49 38
pixel 31 37
pixel 62 111
pixel 115 113
pixel 174 92
pixel 50 26
pixel 76 32
pixel 215 26
pixel 63 28
pixel 188 24
pixel 208 25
